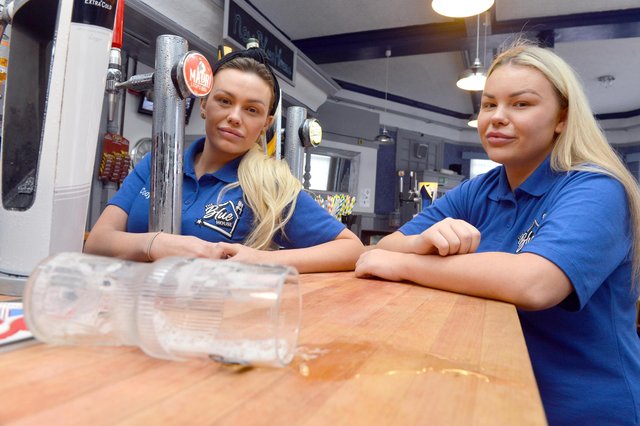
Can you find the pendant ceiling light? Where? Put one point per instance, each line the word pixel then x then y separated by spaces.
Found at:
pixel 474 77
pixel 473 121
pixel 384 137
pixel 461 8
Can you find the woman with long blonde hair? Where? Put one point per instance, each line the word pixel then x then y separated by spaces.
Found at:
pixel 237 202
pixel 554 230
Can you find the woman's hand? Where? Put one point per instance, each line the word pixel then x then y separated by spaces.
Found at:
pixel 447 237
pixel 242 253
pixel 183 245
pixel 381 263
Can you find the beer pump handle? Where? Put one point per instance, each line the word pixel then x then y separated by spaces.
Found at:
pixel 118 26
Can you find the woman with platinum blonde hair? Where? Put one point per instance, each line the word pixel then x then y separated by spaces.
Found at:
pixel 554 230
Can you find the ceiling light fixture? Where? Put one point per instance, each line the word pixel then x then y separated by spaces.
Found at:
pixel 474 78
pixel 606 80
pixel 473 121
pixel 384 137
pixel 461 8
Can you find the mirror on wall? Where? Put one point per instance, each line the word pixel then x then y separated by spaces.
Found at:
pixel 333 170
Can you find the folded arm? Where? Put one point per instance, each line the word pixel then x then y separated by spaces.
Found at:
pixel 339 254
pixel 444 257
pixel 527 280
pixel 447 237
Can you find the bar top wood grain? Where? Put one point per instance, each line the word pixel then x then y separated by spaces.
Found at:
pixel 370 352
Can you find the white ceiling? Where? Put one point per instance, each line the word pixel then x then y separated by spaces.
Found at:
pixel 609 44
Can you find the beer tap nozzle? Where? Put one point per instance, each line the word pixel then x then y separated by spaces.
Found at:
pixel 138 82
pixel 114 77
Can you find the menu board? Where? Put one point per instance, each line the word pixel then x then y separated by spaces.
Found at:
pixel 241 22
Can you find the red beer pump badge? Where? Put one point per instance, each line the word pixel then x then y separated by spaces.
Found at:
pixel 197 74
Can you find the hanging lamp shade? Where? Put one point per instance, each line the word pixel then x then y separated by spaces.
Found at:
pixel 473 121
pixel 461 8
pixel 384 138
pixel 472 79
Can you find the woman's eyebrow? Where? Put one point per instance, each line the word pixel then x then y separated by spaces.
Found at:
pixel 253 101
pixel 514 94
pixel 524 92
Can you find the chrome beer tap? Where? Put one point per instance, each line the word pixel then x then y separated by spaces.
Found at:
pixel 178 74
pixel 413 195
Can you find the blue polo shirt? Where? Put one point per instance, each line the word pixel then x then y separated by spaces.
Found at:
pixel 213 213
pixel 585 351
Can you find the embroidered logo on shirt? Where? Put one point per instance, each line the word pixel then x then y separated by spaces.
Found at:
pixel 146 194
pixel 221 217
pixel 526 236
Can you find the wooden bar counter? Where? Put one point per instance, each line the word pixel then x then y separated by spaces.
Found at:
pixel 370 353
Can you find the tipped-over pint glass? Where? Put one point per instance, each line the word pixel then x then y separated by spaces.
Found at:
pixel 176 308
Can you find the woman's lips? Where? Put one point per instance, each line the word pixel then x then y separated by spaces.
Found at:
pixel 230 132
pixel 497 138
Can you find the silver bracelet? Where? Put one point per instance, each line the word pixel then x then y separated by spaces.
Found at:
pixel 150 244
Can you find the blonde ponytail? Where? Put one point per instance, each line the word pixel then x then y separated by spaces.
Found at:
pixel 271 191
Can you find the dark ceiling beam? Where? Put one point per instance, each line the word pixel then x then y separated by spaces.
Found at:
pixel 610 17
pixel 607 25
pixel 400 99
pixel 453 36
pixel 598 32
pixel 404 41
